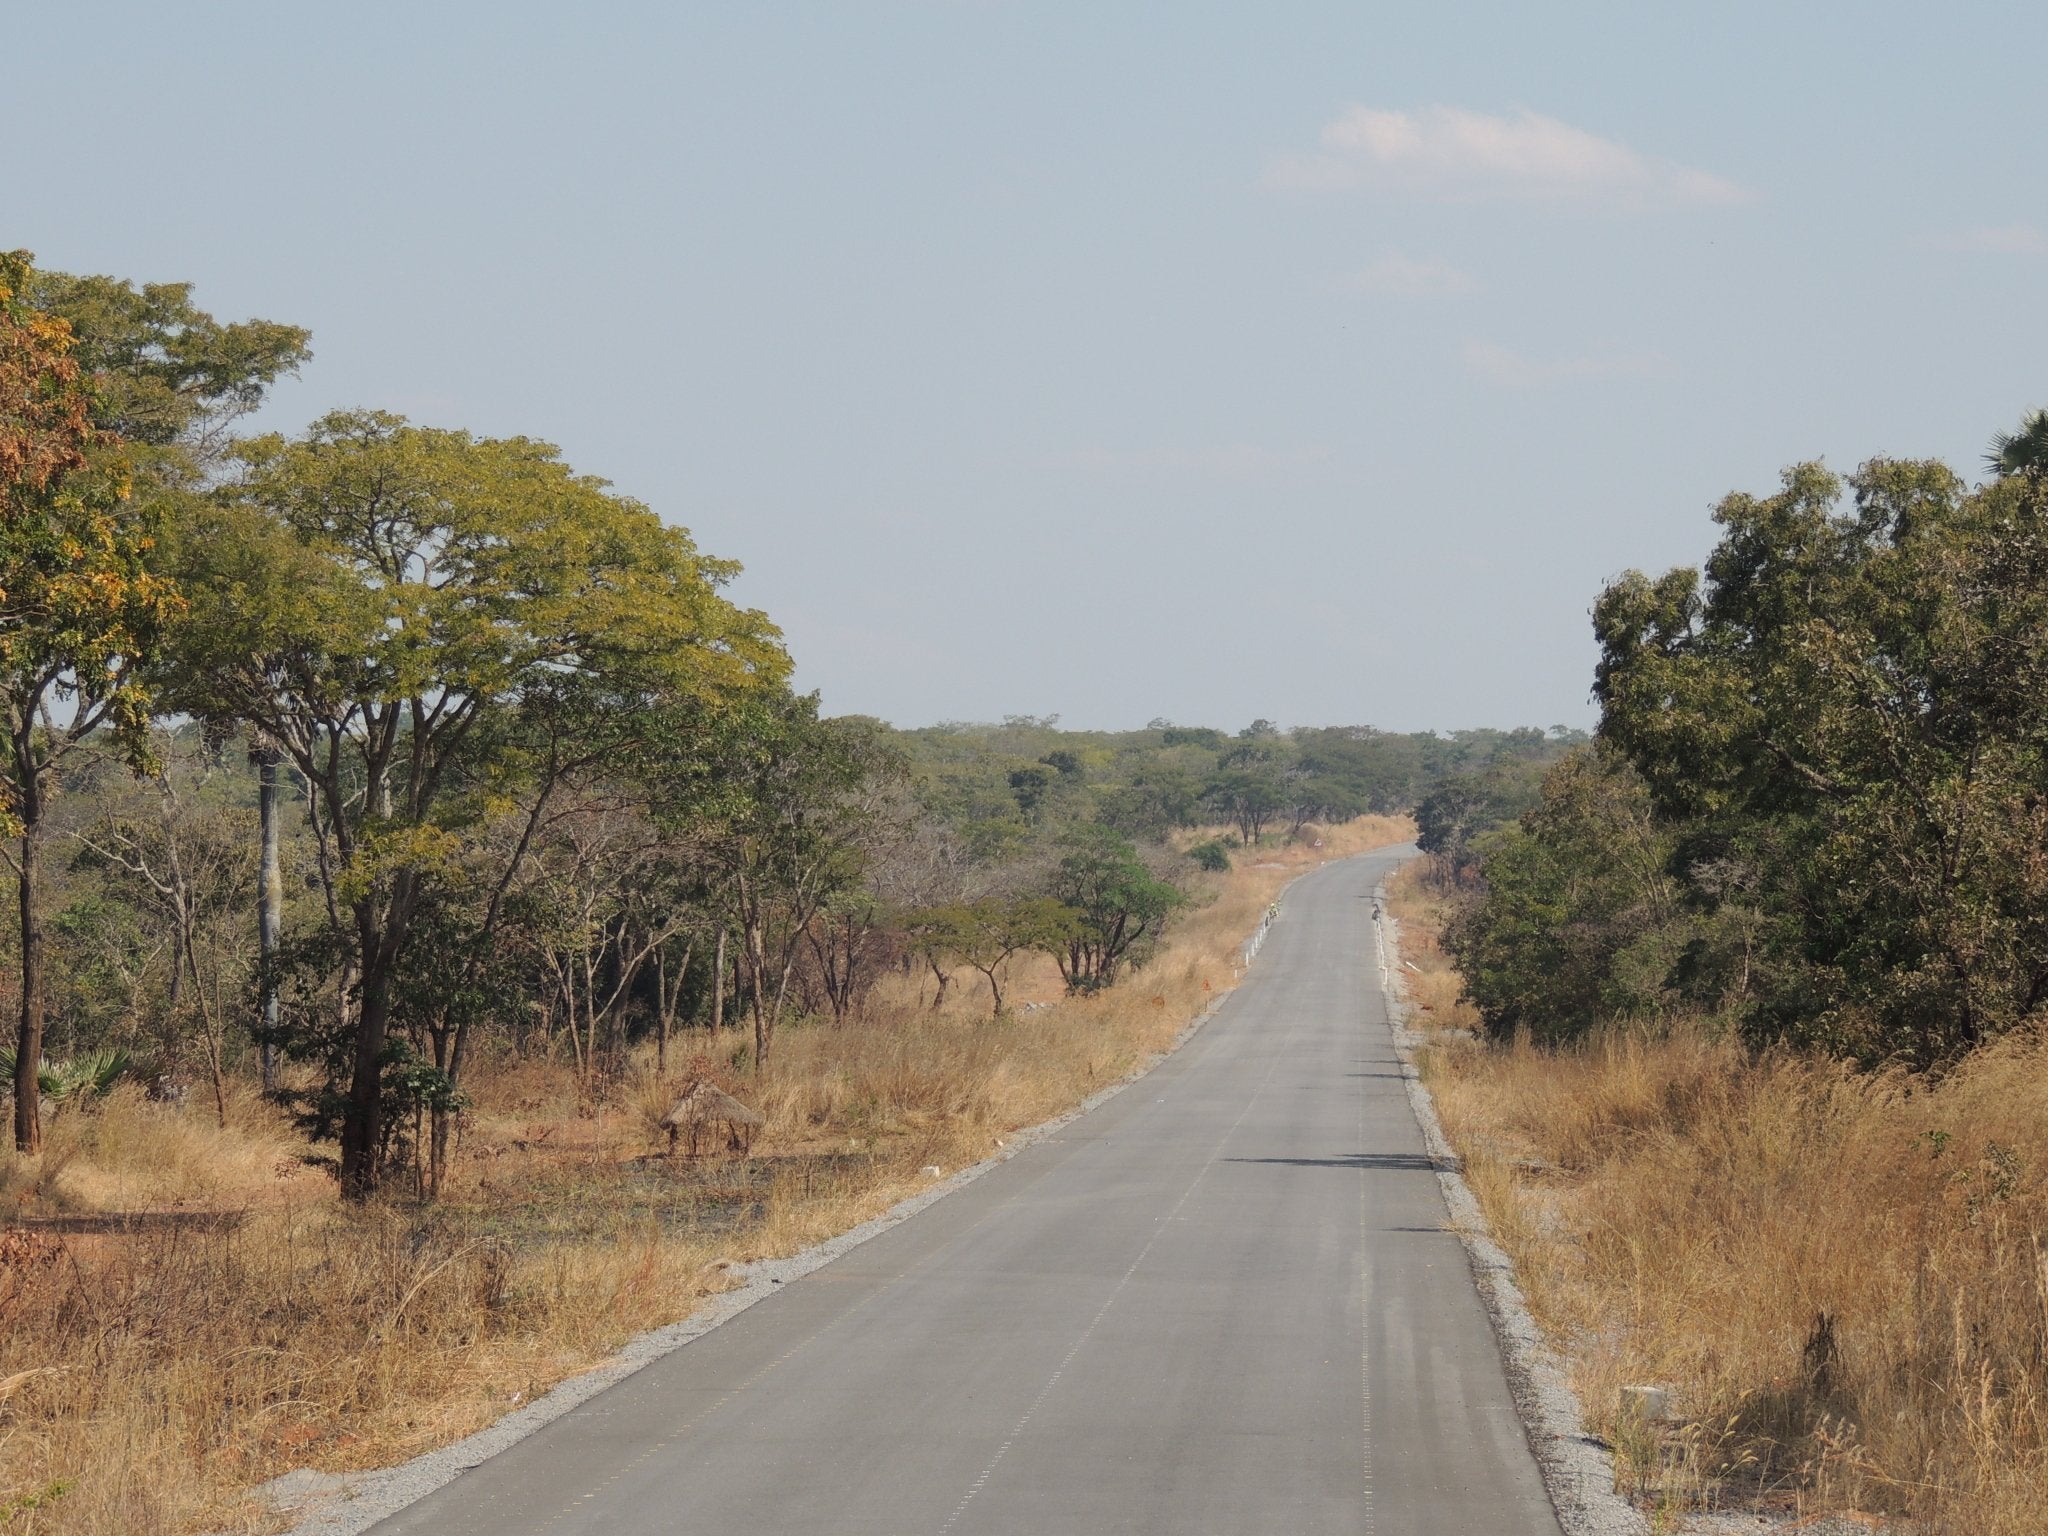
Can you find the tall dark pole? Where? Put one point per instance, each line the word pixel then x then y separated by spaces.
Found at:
pixel 269 903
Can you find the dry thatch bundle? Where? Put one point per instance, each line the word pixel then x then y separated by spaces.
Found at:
pixel 707 1105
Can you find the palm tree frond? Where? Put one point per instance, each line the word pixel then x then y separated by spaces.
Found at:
pixel 2023 451
pixel 93 1074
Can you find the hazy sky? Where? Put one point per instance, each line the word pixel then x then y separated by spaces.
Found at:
pixel 1313 361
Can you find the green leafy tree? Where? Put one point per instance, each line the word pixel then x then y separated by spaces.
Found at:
pixel 1248 794
pixel 431 626
pixel 1158 798
pixel 136 391
pixel 1031 784
pixel 1377 771
pixel 1463 807
pixel 1118 905
pixel 1580 919
pixel 81 612
pixel 1850 707
pixel 784 800
pixel 986 934
pixel 171 379
pixel 1307 796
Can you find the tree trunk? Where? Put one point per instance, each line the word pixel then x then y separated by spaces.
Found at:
pixel 757 970
pixel 661 1010
pixel 444 1147
pixel 781 993
pixel 718 987
pixel 28 1051
pixel 439 1129
pixel 667 1000
pixel 176 999
pixel 362 1124
pixel 451 1050
pixel 269 906
pixel 590 1019
pixel 209 1022
pixel 435 1160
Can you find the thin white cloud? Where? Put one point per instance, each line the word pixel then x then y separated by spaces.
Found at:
pixel 1454 153
pixel 1998 240
pixel 1406 277
pixel 1513 370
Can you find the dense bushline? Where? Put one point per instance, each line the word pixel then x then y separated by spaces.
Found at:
pixel 347 759
pixel 1817 805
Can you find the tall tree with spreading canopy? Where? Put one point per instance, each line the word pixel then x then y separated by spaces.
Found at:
pixel 1246 791
pixel 172 381
pixel 81 612
pixel 435 628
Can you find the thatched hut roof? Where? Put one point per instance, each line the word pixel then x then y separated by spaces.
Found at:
pixel 706 1104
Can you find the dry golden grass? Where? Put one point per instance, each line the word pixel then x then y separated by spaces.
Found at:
pixel 129 1155
pixel 1842 1275
pixel 147 1377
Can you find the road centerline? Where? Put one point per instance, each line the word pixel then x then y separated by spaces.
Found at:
pixel 1159 1226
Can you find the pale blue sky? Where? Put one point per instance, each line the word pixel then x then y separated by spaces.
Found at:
pixel 1314 361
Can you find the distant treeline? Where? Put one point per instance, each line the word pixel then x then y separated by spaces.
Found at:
pixel 1817 804
pixel 994 782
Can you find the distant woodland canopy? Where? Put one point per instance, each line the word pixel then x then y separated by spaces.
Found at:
pixel 356 756
pixel 1817 805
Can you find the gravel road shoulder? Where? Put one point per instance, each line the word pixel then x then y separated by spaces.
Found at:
pixel 1577 1468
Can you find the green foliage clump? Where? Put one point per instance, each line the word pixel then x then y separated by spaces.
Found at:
pixel 91 1076
pixel 1119 906
pixel 1820 800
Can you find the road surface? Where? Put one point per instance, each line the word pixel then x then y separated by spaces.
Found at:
pixel 1222 1302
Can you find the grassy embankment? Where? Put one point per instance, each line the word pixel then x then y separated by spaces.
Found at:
pixel 147 1377
pixel 1843 1276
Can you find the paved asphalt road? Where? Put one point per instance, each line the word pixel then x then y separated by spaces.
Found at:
pixel 1223 1302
